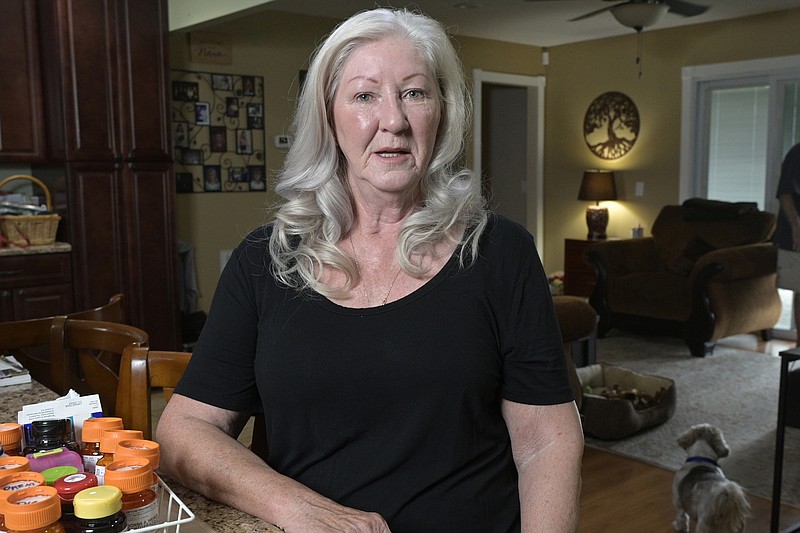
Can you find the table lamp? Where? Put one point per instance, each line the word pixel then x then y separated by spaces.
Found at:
pixel 597 185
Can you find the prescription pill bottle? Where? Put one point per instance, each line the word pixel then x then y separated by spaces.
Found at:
pixel 134 477
pixel 51 475
pixel 68 487
pixel 92 431
pixel 147 449
pixel 14 463
pixel 33 510
pixel 98 510
pixel 108 444
pixel 11 438
pixel 50 434
pixel 13 482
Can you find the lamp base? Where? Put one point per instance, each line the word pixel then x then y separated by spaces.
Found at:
pixel 596 221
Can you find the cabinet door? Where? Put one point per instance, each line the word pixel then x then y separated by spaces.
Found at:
pixel 95 224
pixel 142 49
pixel 79 58
pixel 21 117
pixel 108 61
pixel 38 302
pixel 153 253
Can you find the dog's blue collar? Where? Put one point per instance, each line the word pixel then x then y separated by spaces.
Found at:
pixel 699 459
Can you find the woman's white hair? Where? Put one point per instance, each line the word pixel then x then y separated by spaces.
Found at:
pixel 318 211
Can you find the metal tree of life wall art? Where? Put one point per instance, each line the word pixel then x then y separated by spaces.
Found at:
pixel 611 125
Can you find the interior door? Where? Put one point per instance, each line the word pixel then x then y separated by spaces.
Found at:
pixel 508 145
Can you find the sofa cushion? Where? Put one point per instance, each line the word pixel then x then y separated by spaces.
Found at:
pixel 663 295
pixel 693 250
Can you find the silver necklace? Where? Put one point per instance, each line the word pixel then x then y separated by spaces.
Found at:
pixel 364 282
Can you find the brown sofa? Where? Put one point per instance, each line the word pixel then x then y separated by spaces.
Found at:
pixel 707 272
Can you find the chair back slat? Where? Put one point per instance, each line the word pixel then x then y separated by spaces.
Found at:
pixel 29 341
pixel 86 356
pixel 142 370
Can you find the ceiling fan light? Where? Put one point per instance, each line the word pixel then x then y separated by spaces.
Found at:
pixel 639 15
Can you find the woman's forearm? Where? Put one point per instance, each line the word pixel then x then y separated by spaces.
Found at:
pixel 215 464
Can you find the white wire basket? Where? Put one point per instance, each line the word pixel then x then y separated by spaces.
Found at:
pixel 172 512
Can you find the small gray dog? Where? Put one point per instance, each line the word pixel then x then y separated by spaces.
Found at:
pixel 700 490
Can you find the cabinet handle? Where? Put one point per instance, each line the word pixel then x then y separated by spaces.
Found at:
pixel 11 272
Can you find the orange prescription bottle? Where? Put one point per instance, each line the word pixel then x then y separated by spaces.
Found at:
pixel 11 438
pixel 33 510
pixel 147 449
pixel 92 431
pixel 13 482
pixel 14 463
pixel 108 444
pixel 134 477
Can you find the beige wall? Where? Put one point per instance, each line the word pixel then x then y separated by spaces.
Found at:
pixel 277 45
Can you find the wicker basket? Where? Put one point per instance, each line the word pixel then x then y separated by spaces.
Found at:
pixel 29 230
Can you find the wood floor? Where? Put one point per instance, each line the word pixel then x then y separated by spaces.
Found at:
pixel 623 495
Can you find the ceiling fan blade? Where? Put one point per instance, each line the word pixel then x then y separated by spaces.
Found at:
pixel 591 14
pixel 687 9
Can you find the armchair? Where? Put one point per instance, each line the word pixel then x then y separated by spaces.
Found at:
pixel 707 272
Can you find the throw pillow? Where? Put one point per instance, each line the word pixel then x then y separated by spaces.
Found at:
pixel 692 251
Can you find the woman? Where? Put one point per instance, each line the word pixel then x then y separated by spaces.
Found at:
pixel 400 341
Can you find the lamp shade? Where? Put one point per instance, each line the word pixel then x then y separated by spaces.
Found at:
pixel 598 185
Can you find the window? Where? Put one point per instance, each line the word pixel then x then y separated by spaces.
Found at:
pixel 738 121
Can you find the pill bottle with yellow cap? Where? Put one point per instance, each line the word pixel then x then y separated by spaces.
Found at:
pixel 98 510
pixel 108 444
pixel 11 438
pixel 33 510
pixel 134 477
pixel 14 463
pixel 13 482
pixel 92 431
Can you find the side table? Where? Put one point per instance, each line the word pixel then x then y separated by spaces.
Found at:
pixel 787 357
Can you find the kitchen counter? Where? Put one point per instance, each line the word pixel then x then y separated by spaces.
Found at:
pixel 55 248
pixel 209 515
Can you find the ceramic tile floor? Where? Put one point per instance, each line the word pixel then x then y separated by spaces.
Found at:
pixel 157 406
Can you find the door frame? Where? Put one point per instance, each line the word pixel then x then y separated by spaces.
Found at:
pixel 534 173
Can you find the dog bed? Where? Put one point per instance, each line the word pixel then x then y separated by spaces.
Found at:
pixel 618 402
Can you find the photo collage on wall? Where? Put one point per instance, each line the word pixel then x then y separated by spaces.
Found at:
pixel 218 132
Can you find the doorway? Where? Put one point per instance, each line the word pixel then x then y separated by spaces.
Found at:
pixel 508 137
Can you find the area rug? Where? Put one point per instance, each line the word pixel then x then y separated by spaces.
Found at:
pixel 734 389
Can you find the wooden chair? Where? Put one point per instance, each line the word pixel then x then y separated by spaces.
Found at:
pixel 86 356
pixel 29 340
pixel 141 371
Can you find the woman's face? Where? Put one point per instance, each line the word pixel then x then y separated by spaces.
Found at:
pixel 386 114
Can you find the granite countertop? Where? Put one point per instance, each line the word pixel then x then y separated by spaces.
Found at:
pixel 55 248
pixel 220 517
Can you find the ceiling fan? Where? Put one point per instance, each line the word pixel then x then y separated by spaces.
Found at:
pixel 638 14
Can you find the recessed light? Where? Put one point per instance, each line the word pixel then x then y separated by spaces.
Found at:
pixel 466 5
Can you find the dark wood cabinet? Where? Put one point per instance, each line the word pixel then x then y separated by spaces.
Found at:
pixel 35 285
pixel 106 99
pixel 21 117
pixel 579 276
